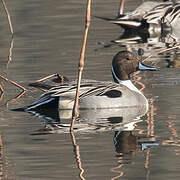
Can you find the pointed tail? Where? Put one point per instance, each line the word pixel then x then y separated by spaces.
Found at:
pixel 45 102
pixel 126 23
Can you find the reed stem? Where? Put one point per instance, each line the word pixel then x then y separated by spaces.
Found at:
pixel 121 7
pixel 8 16
pixel 75 112
pixel 12 82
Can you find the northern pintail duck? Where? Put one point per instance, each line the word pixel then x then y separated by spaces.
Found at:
pixel 99 94
pixel 150 14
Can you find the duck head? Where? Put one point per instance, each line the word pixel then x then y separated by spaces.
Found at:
pixel 125 63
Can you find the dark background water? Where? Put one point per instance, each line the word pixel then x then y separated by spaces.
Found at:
pixel 47 40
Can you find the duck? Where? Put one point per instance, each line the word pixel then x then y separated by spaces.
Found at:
pixel 151 15
pixel 95 94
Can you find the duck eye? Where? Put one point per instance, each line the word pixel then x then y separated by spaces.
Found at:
pixel 127 58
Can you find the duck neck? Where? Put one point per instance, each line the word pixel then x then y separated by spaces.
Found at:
pixel 126 83
pixel 130 85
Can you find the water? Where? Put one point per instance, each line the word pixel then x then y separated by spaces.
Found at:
pixel 47 40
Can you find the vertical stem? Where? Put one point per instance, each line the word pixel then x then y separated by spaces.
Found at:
pixel 81 64
pixel 1 157
pixel 1 89
pixel 10 52
pixel 8 16
pixel 121 7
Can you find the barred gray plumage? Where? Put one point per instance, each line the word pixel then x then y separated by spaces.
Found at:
pixel 149 13
pixel 164 13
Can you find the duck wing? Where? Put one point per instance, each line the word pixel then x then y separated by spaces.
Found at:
pixel 87 88
pixel 50 99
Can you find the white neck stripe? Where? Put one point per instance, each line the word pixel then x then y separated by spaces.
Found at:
pixel 126 83
pixel 130 85
pixel 119 81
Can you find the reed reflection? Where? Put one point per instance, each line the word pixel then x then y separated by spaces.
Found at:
pixel 76 151
pixel 173 140
pixel 4 77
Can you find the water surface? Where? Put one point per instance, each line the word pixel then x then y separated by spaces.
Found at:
pixel 47 40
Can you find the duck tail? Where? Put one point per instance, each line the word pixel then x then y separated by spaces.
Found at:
pixel 122 21
pixel 126 22
pixel 44 102
pixel 104 18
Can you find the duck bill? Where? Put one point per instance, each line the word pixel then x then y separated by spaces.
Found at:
pixel 144 67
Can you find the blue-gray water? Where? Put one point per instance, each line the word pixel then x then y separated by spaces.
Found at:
pixel 47 40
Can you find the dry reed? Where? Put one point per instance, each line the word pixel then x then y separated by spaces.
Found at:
pixel 8 16
pixel 121 7
pixel 75 112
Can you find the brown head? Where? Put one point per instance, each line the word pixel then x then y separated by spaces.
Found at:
pixel 125 63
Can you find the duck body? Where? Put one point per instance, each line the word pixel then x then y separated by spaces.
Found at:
pixel 99 94
pixel 93 95
pixel 123 97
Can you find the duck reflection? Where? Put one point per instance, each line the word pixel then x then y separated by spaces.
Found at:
pixel 128 143
pixel 125 142
pixel 130 36
pixel 90 121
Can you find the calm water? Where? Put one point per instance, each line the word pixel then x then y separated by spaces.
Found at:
pixel 47 40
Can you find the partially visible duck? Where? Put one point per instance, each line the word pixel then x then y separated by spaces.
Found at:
pixel 151 15
pixel 100 94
